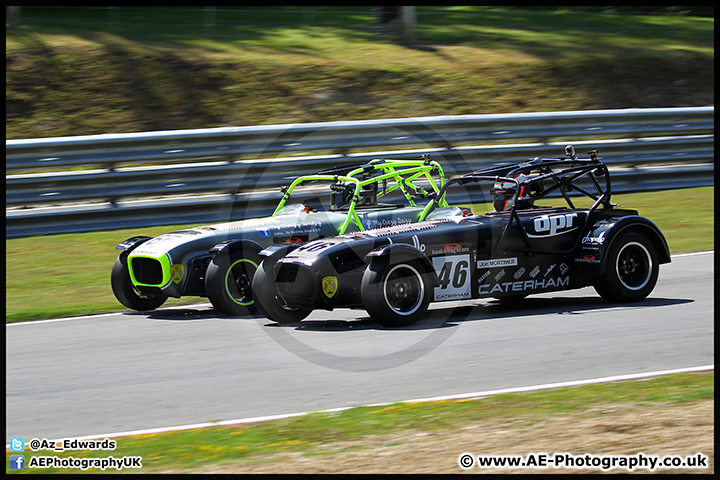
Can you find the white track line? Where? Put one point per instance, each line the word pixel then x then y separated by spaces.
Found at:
pixel 101 315
pixel 691 254
pixel 471 396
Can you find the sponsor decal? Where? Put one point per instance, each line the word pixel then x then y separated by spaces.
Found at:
pixel 497 262
pixel 329 286
pixel 599 240
pixel 450 249
pixel 293 230
pixel 550 269
pixel 386 222
pixel 519 273
pixel 552 225
pixel 535 271
pixel 417 244
pixel 264 232
pixel 587 259
pixel 293 241
pixel 177 272
pixel 523 286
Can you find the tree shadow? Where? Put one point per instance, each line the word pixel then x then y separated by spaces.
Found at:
pixel 161 79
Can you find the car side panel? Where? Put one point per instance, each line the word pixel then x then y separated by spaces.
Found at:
pixel 388 217
pixel 518 275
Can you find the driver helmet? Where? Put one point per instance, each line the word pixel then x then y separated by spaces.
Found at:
pixel 504 193
pixel 529 190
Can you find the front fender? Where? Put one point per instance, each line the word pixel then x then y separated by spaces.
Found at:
pixel 132 243
pixel 276 252
pixel 232 245
pixel 401 252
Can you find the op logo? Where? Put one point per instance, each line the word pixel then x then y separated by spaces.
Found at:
pixel 329 286
pixel 551 225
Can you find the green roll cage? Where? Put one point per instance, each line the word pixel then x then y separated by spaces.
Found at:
pixel 401 172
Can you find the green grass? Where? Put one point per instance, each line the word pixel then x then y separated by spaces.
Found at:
pixel 51 276
pixel 258 68
pixel 319 433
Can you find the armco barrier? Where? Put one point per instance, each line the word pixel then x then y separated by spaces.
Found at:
pixel 209 175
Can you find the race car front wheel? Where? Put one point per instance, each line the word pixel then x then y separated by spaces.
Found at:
pixel 126 293
pixel 631 270
pixel 395 294
pixel 228 282
pixel 268 302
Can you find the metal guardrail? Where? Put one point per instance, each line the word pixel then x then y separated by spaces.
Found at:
pixel 220 174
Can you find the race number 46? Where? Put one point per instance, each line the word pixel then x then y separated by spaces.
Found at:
pixel 454 277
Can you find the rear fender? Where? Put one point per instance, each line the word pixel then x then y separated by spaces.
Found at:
pixel 602 235
pixel 400 252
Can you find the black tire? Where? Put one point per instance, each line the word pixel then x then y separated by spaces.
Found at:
pixel 396 294
pixel 266 299
pixel 228 282
pixel 631 270
pixel 126 293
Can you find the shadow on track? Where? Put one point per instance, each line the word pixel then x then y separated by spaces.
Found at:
pixel 443 317
pixel 185 314
pixel 437 317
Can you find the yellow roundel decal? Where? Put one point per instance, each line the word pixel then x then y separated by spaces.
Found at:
pixel 177 272
pixel 329 286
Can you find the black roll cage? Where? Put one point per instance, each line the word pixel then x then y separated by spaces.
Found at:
pixel 564 180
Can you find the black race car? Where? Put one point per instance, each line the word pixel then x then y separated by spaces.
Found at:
pixel 517 249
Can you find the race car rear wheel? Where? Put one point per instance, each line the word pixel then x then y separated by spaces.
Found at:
pixel 395 294
pixel 228 282
pixel 126 293
pixel 631 269
pixel 267 300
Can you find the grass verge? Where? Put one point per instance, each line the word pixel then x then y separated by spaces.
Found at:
pixel 328 434
pixel 68 275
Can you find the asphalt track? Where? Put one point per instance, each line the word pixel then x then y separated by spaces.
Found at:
pixel 186 365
